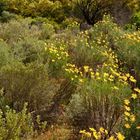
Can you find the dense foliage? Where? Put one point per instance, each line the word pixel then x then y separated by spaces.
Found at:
pixel 71 65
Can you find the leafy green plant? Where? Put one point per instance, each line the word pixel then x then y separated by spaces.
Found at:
pixel 14 125
pixel 97 103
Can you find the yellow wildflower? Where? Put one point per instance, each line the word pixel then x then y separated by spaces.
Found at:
pixel 127 126
pixel 72 79
pixel 111 138
pixel 106 74
pixel 95 134
pixel 137 90
pixel 116 88
pixel 97 74
pixel 101 129
pixel 90 69
pixel 81 74
pixel 88 134
pixel 99 135
pixel 106 132
pixel 110 79
pixel 46 48
pixel 128 75
pixel 111 76
pixel 92 74
pixel 127 113
pixel 120 136
pixel 134 96
pixel 126 118
pixel 132 118
pixel 82 131
pixel 132 79
pixel 124 78
pixel 86 68
pixel 81 80
pixel 127 102
pixel 127 108
pixel 92 129
pixel 98 78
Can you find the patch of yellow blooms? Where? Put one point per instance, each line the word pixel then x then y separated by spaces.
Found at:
pixel 55 53
pixel 107 72
pixel 102 133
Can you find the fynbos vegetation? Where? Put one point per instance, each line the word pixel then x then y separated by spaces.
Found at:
pixel 69 70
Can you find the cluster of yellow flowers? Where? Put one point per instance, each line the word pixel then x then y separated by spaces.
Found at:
pixel 73 72
pixel 102 133
pixel 134 37
pixel 73 24
pixel 57 53
pixel 108 71
pixel 130 117
pixel 86 72
pixel 112 74
pixel 113 67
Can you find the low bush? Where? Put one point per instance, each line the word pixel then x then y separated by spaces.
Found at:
pixel 26 84
pixel 14 125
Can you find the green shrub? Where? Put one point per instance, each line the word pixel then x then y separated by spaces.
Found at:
pixel 125 43
pixel 47 31
pixel 97 103
pixel 6 16
pixel 56 55
pixel 5 54
pixel 43 20
pixel 57 10
pixel 86 51
pixel 26 84
pixel 16 30
pixel 14 125
pixel 28 50
pixel 17 124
